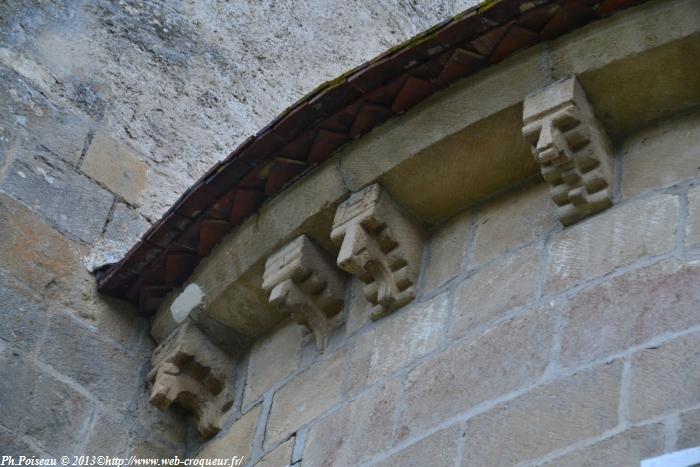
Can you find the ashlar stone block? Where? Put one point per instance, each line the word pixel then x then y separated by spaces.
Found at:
pixel 190 370
pixel 305 284
pixel 380 245
pixel 572 149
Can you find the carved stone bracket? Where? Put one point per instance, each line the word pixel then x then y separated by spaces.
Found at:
pixel 572 149
pixel 305 284
pixel 380 245
pixel 190 370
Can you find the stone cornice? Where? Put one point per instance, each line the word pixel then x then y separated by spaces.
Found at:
pixel 334 114
pixel 457 148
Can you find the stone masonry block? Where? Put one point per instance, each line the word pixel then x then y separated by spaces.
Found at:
pixel 502 360
pixel 35 252
pixel 692 227
pixel 109 436
pixel 59 194
pixel 236 441
pixel 629 310
pixel 271 359
pixel 357 316
pixel 380 245
pixel 689 435
pixel 626 449
pixel 665 378
pixel 501 285
pixel 281 456
pixel 41 127
pixel 23 319
pixel 12 444
pixel 598 246
pixel 83 354
pixel 511 221
pixel 447 248
pixel 38 405
pixel 662 155
pixel 357 431
pixel 305 397
pixel 305 284
pixel 545 419
pixel 440 448
pixel 572 149
pixel 114 165
pixel 397 342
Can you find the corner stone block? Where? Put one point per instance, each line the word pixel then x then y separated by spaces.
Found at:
pixel 190 370
pixel 572 149
pixel 381 246
pixel 305 284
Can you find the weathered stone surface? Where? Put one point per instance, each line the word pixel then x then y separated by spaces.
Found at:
pixel 692 227
pixel 572 149
pixel 380 245
pixel 236 441
pixel 109 436
pixel 502 360
pixel 39 125
pixel 23 320
pixel 600 245
pixel 83 354
pixel 357 431
pixel 271 359
pixel 281 456
pixel 11 444
pixel 629 310
pixel 545 419
pixel 689 435
pixel 626 449
pixel 38 405
pixel 447 248
pixel 306 285
pixel 36 253
pixel 116 167
pixel 397 342
pixel 305 397
pixel 123 230
pixel 184 86
pixel 151 449
pixel 440 448
pixel 511 221
pixel 57 193
pixel 191 371
pixel 665 378
pixel 504 284
pixel 662 155
pixel 170 425
pixel 357 315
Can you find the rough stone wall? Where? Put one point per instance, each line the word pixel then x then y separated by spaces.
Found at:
pixel 109 110
pixel 527 344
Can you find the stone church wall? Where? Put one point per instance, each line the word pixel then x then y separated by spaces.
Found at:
pixel 527 342
pixel 109 110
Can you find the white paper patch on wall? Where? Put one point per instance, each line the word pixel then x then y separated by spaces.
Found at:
pixel 685 458
pixel 187 301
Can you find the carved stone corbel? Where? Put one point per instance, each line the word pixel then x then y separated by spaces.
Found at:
pixel 381 246
pixel 305 284
pixel 190 370
pixel 572 149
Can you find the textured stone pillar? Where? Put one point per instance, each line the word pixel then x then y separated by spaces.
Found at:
pixel 380 245
pixel 572 149
pixel 190 370
pixel 307 285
